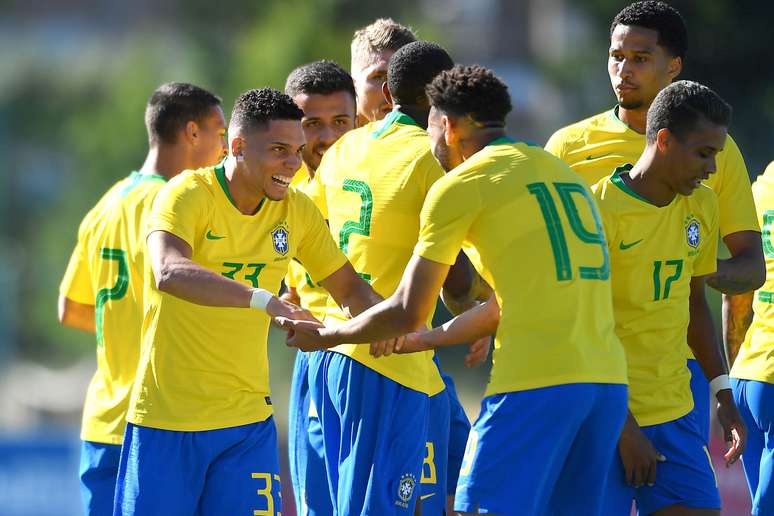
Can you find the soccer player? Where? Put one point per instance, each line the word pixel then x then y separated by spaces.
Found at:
pixel 373 183
pixel 200 437
pixel 371 50
pixel 647 50
pixel 662 232
pixel 752 356
pixel 326 95
pixel 556 400
pixel 102 289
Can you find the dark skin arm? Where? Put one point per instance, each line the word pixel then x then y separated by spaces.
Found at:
pixel 703 343
pixel 737 316
pixel 350 291
pixel 745 270
pixel 76 315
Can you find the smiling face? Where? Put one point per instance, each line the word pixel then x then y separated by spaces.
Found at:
pixel 272 155
pixel 691 157
pixel 326 118
pixel 369 76
pixel 638 66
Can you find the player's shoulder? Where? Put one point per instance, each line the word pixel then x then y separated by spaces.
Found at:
pixel 704 200
pixel 577 132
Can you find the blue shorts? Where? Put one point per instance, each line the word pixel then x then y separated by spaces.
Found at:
pixel 226 471
pixel 98 472
pixel 458 435
pixel 542 450
pixel 374 432
pixel 756 404
pixel 305 450
pixel 686 477
pixel 701 398
pixel 432 494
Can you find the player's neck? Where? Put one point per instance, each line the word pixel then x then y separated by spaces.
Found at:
pixel 634 118
pixel 246 198
pixel 164 160
pixel 643 179
pixel 479 139
pixel 419 114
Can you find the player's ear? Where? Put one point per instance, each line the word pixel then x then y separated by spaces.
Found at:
pixel 663 139
pixel 675 67
pixel 191 131
pixel 386 93
pixel 449 126
pixel 236 146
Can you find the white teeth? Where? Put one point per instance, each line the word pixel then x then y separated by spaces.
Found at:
pixel 281 179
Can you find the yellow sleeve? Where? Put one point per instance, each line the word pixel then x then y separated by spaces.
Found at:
pixel 707 260
pixel 737 208
pixel 76 283
pixel 317 251
pixel 179 207
pixel 432 171
pixel 555 144
pixel 450 208
pixel 316 192
pixel 292 277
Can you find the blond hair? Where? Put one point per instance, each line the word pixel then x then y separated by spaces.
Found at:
pixel 383 34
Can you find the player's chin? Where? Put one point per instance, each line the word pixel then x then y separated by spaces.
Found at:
pixel 276 192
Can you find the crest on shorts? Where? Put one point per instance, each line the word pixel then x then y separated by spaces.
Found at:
pixel 406 487
pixel 692 233
pixel 279 239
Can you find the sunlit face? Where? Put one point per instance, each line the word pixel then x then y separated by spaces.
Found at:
pixel 638 66
pixel 209 146
pixel 692 157
pixel 326 118
pixel 437 132
pixel 272 155
pixel 369 76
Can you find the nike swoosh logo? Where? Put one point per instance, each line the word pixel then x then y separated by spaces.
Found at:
pixel 210 236
pixel 595 157
pixel 624 247
pixel 426 496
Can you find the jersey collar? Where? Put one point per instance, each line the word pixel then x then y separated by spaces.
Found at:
pixel 619 182
pixel 220 173
pixel 502 140
pixel 395 117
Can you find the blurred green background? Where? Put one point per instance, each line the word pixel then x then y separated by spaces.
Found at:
pixel 75 77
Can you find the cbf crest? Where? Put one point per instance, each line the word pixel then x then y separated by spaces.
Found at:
pixel 692 233
pixel 279 239
pixel 405 489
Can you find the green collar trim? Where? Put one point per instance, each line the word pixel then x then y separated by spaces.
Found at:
pixel 395 117
pixel 135 178
pixel 502 140
pixel 220 173
pixel 619 182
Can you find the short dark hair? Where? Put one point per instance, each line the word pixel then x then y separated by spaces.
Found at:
pixel 319 78
pixel 661 17
pixel 412 67
pixel 254 109
pixel 172 106
pixel 470 90
pixel 681 105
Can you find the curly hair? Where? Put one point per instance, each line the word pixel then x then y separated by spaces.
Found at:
pixel 319 78
pixel 681 105
pixel 172 106
pixel 412 68
pixel 470 90
pixel 658 16
pixel 255 108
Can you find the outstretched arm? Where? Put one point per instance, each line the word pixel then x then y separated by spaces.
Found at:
pixel 401 313
pixel 737 316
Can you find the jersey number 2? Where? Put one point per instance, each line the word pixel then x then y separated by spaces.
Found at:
pixel 117 291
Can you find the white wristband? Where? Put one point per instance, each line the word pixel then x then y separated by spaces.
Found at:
pixel 260 299
pixel 719 383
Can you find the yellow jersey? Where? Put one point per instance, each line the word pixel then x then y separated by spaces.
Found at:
pixel 539 243
pixel 597 145
pixel 654 253
pixel 755 360
pixel 106 271
pixel 312 296
pixel 373 182
pixel 201 367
